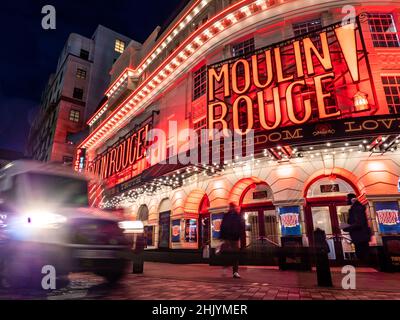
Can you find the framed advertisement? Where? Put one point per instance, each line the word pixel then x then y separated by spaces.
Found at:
pixel 290 221
pixel 387 215
pixel 216 225
pixel 191 230
pixel 176 231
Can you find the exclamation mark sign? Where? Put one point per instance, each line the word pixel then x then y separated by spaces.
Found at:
pixel 346 36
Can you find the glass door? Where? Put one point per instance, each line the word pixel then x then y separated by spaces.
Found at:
pixel 329 218
pixel 271 227
pixel 252 227
pixel 164 233
pixel 321 219
pixel 349 252
pixel 204 230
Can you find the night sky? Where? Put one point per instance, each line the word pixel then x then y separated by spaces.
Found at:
pixel 29 53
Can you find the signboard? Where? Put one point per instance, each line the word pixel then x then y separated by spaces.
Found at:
pixel 387 214
pixel 123 160
pixel 260 194
pixel 216 225
pixel 327 188
pixel 290 221
pixel 191 230
pixel 80 160
pixel 302 90
pixel 176 230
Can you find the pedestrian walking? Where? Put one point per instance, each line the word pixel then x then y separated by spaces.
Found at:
pixel 358 228
pixel 232 229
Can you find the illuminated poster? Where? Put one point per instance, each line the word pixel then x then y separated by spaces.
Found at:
pixel 387 214
pixel 176 230
pixel 290 221
pixel 191 230
pixel 216 225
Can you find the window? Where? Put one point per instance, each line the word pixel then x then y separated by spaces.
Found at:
pixel 306 27
pixel 81 73
pixel 199 82
pixel 243 48
pixel 198 127
pixel 67 160
pixel 391 85
pixel 84 54
pixel 78 93
pixel 119 46
pixel 383 30
pixel 74 115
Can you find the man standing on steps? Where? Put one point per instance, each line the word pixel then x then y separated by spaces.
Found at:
pixel 232 229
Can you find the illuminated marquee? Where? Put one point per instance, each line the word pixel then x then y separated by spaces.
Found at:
pixel 80 160
pixel 122 157
pixel 315 78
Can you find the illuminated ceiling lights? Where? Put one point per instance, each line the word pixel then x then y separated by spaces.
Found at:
pixel 94 138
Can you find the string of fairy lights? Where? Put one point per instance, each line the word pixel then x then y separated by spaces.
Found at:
pixel 195 174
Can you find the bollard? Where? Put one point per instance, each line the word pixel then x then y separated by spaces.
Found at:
pixel 324 277
pixel 138 259
pixel 138 263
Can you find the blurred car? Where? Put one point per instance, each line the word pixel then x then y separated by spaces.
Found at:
pixel 45 220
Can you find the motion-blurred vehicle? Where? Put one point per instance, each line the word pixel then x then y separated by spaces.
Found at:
pixel 45 220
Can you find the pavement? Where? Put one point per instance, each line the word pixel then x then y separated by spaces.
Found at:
pixel 161 281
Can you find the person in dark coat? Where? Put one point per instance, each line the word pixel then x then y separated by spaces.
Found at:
pixel 232 229
pixel 358 228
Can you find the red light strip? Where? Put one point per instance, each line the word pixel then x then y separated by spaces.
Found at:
pixel 157 46
pixel 98 112
pixel 118 79
pixel 111 87
pixel 94 136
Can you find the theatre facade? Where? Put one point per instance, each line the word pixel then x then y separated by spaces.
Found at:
pixel 281 107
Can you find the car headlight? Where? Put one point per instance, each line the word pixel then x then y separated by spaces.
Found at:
pixel 131 226
pixel 43 219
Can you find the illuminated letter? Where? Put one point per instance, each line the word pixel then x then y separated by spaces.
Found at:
pixel 113 154
pixel 276 106
pixel 104 166
pixel 325 60
pixel 346 36
pixel 279 69
pixel 212 75
pixel 289 104
pixel 119 157
pixel 268 67
pixel 351 128
pixel 249 113
pixel 211 117
pixel 321 96
pixel 142 134
pixel 133 153
pixel 246 75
